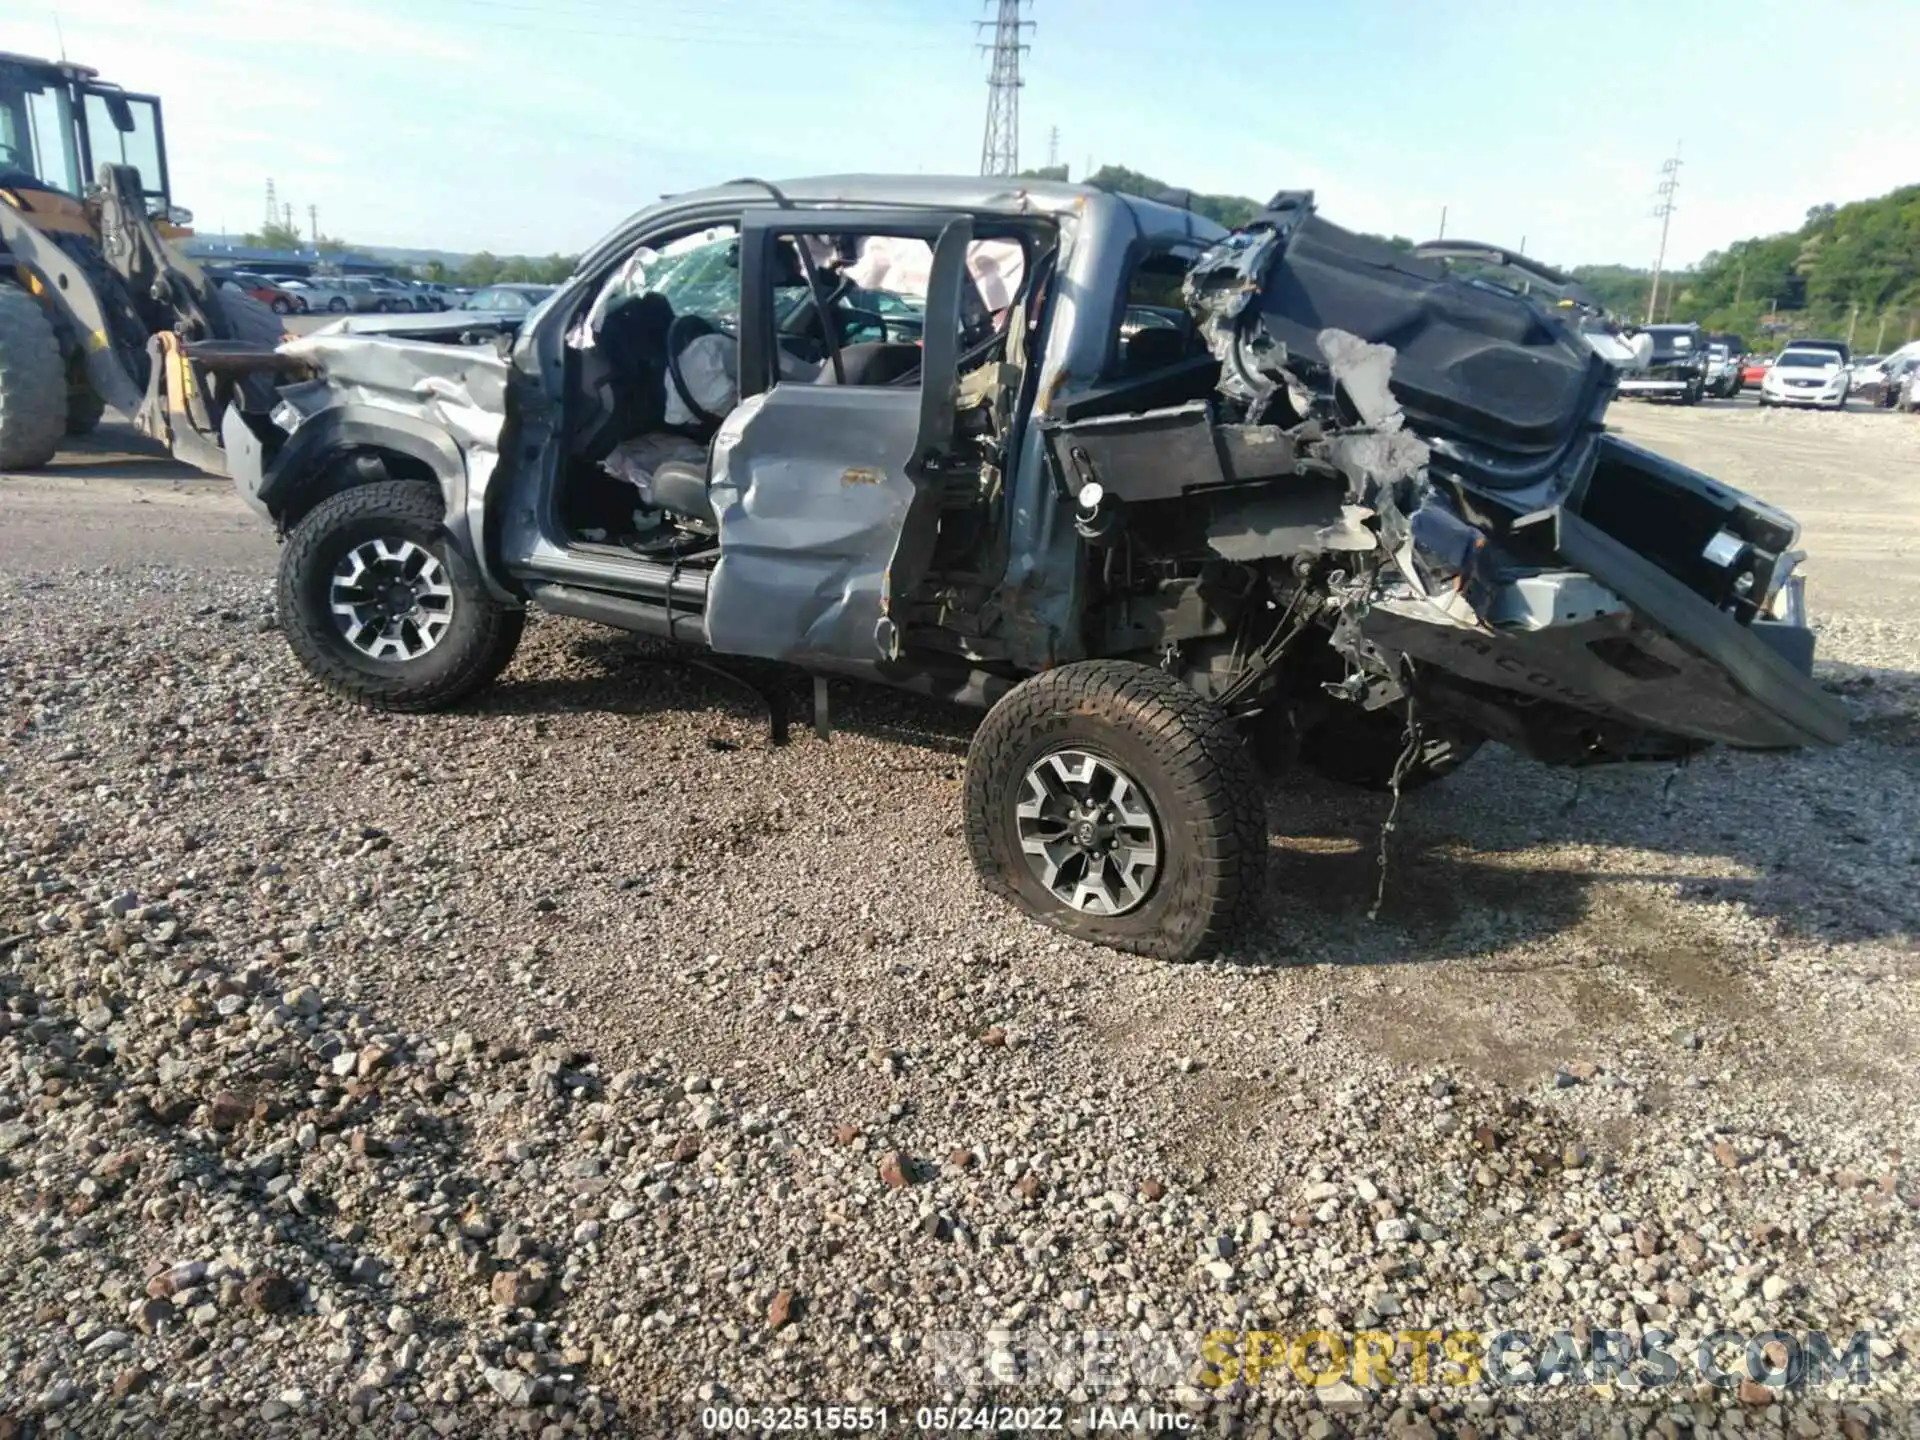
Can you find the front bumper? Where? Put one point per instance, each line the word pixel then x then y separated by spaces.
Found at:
pixel 1802 395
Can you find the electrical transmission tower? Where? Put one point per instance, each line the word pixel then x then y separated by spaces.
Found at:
pixel 1000 149
pixel 1663 212
pixel 1053 147
pixel 273 204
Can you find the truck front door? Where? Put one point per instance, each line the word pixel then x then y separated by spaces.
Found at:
pixel 820 486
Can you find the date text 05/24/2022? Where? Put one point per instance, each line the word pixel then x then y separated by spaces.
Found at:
pixel 943 1419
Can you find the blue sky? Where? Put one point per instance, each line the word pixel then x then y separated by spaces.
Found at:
pixel 535 125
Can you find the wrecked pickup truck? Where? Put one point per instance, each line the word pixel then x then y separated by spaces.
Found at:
pixel 1156 496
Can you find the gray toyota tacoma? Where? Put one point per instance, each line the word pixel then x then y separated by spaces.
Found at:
pixel 1157 497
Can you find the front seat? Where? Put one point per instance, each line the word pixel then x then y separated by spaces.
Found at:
pixel 680 486
pixel 872 362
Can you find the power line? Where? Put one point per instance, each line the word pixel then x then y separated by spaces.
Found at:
pixel 1663 211
pixel 1000 147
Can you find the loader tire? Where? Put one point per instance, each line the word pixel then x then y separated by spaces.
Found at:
pixel 1081 773
pixel 33 383
pixel 84 409
pixel 252 322
pixel 369 541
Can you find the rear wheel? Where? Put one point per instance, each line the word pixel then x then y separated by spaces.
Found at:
pixel 1110 801
pixel 281 305
pixel 337 306
pixel 381 607
pixel 33 383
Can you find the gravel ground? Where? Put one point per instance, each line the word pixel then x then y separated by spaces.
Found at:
pixel 581 1058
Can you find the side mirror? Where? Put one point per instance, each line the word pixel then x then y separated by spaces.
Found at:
pixel 119 112
pixel 947 284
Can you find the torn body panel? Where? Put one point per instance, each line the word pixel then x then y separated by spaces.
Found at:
pixel 1617 604
pixel 441 409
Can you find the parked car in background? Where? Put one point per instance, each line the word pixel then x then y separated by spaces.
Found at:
pixel 1676 369
pixel 1888 382
pixel 1723 371
pixel 268 291
pixel 394 296
pixel 1863 375
pixel 323 292
pixel 1754 369
pixel 1808 372
pixel 508 297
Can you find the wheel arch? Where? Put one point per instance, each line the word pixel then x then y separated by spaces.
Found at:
pixel 347 445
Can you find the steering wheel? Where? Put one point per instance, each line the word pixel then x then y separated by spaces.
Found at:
pixel 684 330
pixel 833 303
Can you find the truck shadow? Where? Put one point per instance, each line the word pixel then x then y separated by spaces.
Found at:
pixel 1500 853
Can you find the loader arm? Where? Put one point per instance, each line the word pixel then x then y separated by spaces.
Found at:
pixel 198 365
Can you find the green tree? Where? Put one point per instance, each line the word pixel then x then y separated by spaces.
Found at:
pixel 480 270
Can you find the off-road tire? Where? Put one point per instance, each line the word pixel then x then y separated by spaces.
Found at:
pixel 252 322
pixel 470 656
pixel 84 405
pixel 33 383
pixel 1183 753
pixel 1361 749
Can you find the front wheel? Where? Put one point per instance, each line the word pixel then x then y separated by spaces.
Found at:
pixel 381 607
pixel 1108 800
pixel 281 305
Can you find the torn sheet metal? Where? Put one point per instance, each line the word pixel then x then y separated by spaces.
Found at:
pixel 460 388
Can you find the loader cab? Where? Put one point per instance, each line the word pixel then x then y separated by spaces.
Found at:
pixel 59 123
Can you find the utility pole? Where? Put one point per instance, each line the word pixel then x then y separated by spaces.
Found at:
pixel 313 225
pixel 1053 147
pixel 1669 182
pixel 1880 332
pixel 1000 147
pixel 1852 320
pixel 1443 224
pixel 286 216
pixel 273 204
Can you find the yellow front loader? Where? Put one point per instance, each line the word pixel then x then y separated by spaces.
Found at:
pixel 98 306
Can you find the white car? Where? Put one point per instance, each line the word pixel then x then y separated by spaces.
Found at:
pixel 1808 374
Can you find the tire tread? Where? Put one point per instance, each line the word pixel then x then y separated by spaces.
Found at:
pixel 1216 786
pixel 485 649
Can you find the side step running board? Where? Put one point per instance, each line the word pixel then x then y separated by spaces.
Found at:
pixel 674 619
